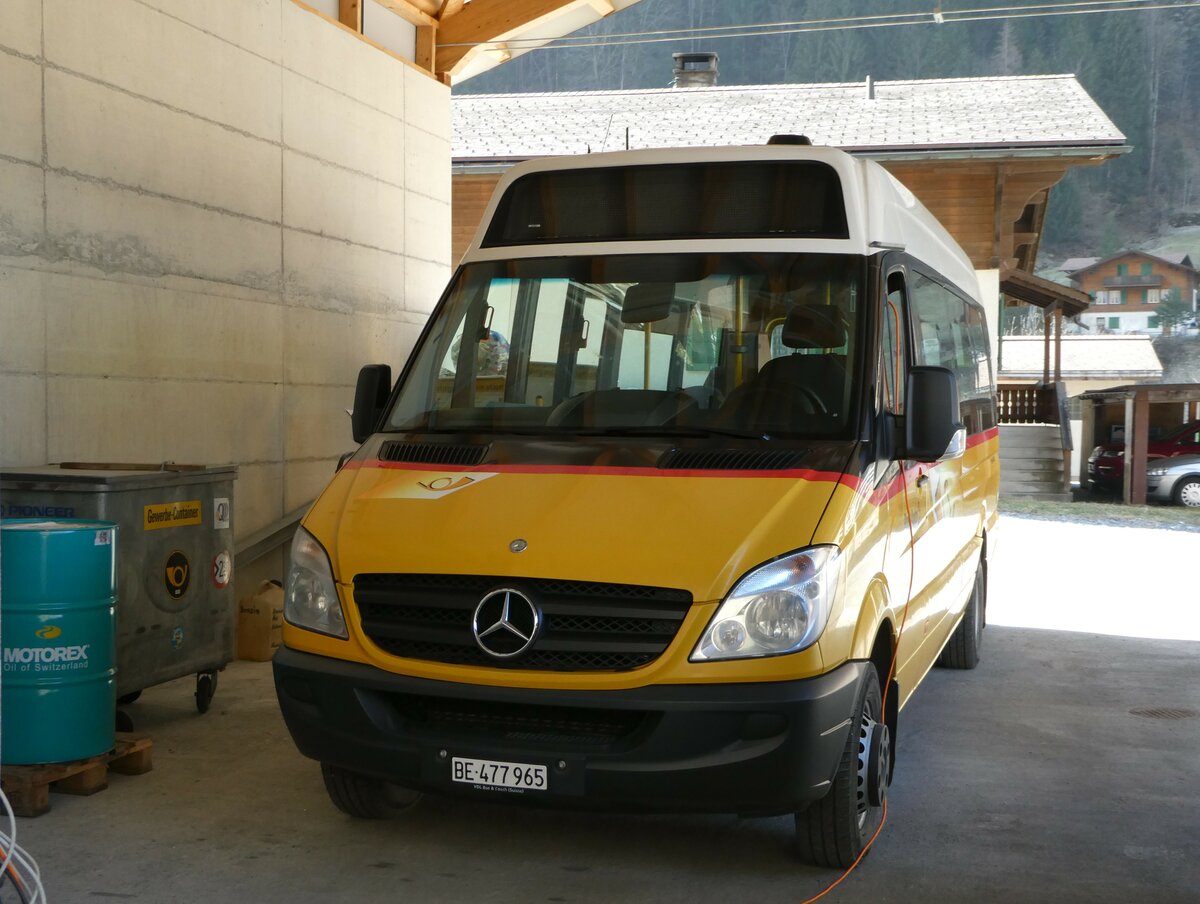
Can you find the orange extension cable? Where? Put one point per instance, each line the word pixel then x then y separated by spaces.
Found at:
pixel 886 687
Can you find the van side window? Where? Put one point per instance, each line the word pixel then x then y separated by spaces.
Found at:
pixel 980 350
pixel 943 336
pixel 892 363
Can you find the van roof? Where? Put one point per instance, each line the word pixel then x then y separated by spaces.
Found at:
pixel 880 212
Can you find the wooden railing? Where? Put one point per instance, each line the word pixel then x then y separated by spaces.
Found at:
pixel 1036 403
pixel 1027 403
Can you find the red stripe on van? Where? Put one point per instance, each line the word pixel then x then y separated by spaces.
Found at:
pixel 792 473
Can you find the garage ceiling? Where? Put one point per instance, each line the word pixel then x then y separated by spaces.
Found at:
pixel 457 39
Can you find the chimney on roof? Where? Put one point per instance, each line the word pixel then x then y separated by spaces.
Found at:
pixel 870 87
pixel 695 70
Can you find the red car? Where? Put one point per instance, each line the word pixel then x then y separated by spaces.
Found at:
pixel 1106 464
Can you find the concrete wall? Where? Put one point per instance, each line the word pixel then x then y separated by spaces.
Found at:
pixel 210 215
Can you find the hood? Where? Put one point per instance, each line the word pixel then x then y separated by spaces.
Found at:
pixel 698 531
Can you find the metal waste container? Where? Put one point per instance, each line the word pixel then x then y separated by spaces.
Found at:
pixel 176 609
pixel 58 586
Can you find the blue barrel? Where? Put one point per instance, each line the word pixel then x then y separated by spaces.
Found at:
pixel 58 595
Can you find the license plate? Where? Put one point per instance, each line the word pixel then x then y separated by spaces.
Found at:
pixel 492 774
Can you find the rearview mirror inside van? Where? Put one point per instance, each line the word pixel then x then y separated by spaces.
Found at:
pixel 933 430
pixel 370 395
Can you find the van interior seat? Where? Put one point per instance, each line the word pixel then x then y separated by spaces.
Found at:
pixel 799 384
pixel 621 408
pixel 788 388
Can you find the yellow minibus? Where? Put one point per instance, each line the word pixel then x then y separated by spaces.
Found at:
pixel 688 482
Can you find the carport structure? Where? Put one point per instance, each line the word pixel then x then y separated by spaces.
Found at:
pixel 1136 409
pixel 456 39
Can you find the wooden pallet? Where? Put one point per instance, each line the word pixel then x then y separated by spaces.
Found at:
pixel 28 787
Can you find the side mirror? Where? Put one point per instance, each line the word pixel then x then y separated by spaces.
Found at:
pixel 370 396
pixel 933 429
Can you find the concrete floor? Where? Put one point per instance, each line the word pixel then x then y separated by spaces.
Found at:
pixel 1027 780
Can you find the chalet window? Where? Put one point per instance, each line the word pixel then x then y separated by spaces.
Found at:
pixel 1122 269
pixel 1147 269
pixel 1153 296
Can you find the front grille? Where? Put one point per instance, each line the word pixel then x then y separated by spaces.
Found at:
pixel 730 459
pixel 513 722
pixel 434 453
pixel 586 626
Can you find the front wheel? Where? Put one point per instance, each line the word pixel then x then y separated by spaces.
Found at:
pixel 364 797
pixel 1188 492
pixel 833 831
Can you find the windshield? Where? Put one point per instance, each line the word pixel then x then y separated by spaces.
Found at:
pixel 745 344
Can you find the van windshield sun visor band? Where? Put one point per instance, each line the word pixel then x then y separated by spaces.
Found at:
pixel 721 199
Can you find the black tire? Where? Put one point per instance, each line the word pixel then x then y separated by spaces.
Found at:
pixel 833 831
pixel 131 697
pixel 1187 492
pixel 962 649
pixel 206 687
pixel 364 797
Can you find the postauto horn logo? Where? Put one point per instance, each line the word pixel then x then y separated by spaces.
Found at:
pixel 49 632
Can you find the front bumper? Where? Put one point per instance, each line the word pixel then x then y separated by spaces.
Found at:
pixel 1107 471
pixel 1161 489
pixel 753 749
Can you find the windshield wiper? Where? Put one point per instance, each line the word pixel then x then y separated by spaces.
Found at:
pixel 666 432
pixel 551 431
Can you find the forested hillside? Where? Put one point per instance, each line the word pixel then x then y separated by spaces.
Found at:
pixel 1142 68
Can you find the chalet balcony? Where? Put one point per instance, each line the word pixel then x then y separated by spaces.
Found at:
pixel 1149 280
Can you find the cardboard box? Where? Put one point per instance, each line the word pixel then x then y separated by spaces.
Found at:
pixel 260 622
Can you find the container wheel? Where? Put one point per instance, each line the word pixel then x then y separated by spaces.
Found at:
pixel 124 721
pixel 364 797
pixel 206 686
pixel 131 697
pixel 833 831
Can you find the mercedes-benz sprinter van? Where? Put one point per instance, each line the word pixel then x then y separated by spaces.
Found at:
pixel 688 482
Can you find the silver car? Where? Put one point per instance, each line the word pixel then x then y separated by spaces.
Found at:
pixel 1174 480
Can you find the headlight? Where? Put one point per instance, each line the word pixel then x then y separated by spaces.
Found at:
pixel 778 608
pixel 1095 453
pixel 1157 472
pixel 311 599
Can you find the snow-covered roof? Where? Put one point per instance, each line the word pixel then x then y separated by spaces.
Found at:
pixel 1042 112
pixel 1114 357
pixel 1074 264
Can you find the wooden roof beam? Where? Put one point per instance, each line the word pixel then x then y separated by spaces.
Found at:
pixel 409 11
pixel 484 21
pixel 350 14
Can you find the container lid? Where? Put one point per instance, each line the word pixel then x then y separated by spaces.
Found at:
pixel 56 524
pixel 121 476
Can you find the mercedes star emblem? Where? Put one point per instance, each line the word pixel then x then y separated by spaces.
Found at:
pixel 506 623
